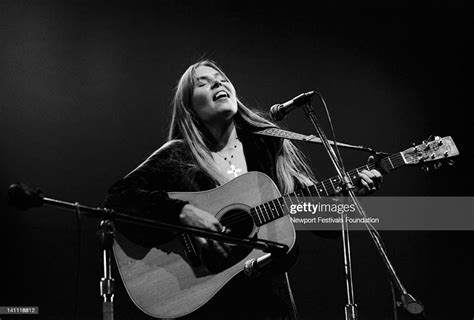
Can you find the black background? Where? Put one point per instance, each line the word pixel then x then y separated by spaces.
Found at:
pixel 85 91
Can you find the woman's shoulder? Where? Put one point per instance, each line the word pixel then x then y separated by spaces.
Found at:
pixel 171 145
pixel 173 149
pixel 171 155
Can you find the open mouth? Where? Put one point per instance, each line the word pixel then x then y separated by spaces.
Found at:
pixel 220 95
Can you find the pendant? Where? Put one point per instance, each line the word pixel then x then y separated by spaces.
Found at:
pixel 233 170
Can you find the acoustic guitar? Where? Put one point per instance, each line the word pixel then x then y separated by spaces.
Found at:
pixel 171 280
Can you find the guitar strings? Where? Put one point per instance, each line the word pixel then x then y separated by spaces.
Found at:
pixel 239 216
pixel 242 215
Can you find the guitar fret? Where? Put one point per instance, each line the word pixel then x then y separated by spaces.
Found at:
pixel 301 193
pixel 403 157
pixel 325 189
pixel 332 184
pixel 278 209
pixel 267 215
pixel 261 214
pixel 390 161
pixel 269 211
pixel 320 189
pixel 317 192
pixel 339 183
pixel 400 159
pixel 284 202
pixel 272 210
pixel 289 198
pixel 282 206
pixel 394 161
pixel 258 216
pixel 352 176
pixel 296 197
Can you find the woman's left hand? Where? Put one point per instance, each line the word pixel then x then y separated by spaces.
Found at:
pixel 370 180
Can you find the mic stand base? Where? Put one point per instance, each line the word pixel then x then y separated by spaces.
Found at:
pixel 106 236
pixel 411 305
pixel 351 312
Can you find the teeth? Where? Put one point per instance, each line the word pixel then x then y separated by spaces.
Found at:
pixel 220 94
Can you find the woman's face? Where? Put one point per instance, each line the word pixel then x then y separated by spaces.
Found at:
pixel 214 99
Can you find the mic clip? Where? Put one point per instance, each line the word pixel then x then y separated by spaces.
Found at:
pixel 279 111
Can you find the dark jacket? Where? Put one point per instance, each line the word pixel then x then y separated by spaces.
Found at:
pixel 170 168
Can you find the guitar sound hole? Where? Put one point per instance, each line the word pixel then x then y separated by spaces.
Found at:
pixel 238 221
pixel 241 224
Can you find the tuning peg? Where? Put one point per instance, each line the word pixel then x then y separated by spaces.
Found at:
pixel 425 168
pixel 451 162
pixel 430 139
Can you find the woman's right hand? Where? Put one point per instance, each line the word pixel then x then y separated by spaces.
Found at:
pixel 195 217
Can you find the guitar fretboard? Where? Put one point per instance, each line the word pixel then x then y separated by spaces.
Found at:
pixel 277 208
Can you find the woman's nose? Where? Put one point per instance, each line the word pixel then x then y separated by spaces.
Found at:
pixel 217 83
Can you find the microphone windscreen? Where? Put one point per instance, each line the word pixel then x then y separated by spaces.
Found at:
pixel 23 197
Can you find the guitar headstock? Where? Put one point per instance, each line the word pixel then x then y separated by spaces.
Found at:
pixel 431 152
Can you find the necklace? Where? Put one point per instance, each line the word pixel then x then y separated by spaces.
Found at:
pixel 234 171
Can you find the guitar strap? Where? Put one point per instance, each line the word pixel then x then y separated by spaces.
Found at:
pixel 285 134
pixel 280 133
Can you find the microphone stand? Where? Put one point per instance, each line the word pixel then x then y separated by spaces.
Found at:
pixel 411 305
pixel 351 307
pixel 24 198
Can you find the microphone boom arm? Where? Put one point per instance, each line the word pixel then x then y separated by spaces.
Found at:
pixel 24 198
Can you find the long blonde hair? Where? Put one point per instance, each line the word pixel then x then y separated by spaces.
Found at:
pixel 291 165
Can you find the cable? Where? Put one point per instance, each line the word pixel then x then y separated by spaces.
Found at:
pixel 394 301
pixel 333 133
pixel 78 261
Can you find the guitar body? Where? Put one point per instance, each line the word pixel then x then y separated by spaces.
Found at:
pixel 164 282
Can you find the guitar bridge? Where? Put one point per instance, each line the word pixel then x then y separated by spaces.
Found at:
pixel 190 250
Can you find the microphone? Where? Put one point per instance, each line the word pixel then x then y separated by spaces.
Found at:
pixel 23 197
pixel 278 112
pixel 253 267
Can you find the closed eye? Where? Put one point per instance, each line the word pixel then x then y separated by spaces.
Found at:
pixel 201 83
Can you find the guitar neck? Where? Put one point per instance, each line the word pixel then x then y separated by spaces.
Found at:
pixel 277 208
pixel 329 187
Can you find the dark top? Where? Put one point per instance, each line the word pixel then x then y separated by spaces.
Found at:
pixel 144 192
